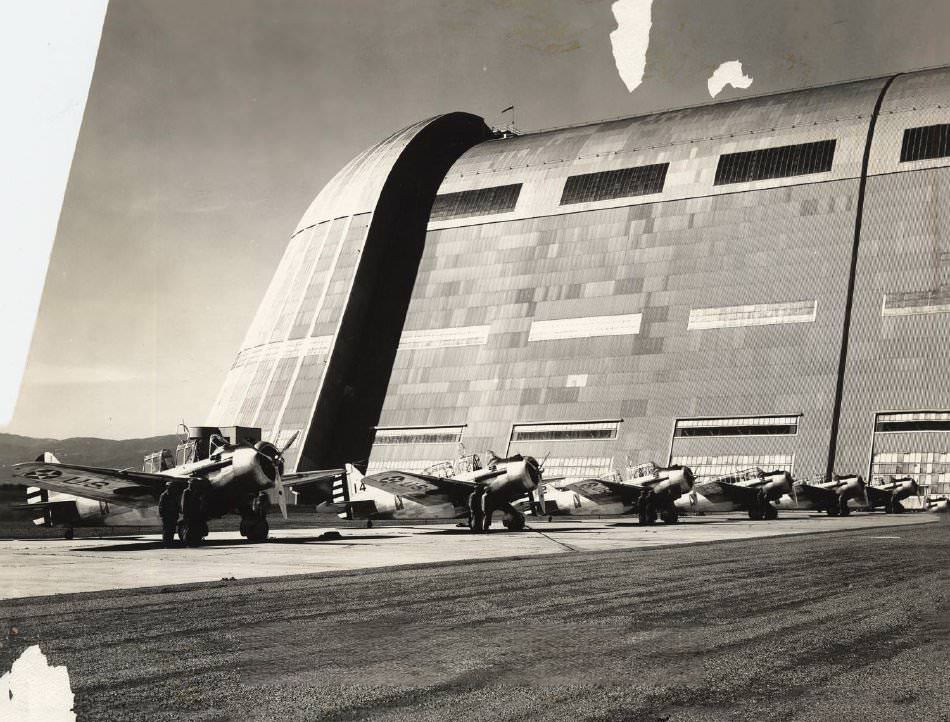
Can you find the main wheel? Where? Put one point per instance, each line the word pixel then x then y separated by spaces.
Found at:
pixel 755 514
pixel 190 535
pixel 514 522
pixel 69 533
pixel 670 516
pixel 258 531
pixel 770 513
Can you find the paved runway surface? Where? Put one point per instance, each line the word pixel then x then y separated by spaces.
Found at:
pixel 841 625
pixel 31 567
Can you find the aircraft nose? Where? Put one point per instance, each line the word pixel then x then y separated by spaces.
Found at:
pixel 533 469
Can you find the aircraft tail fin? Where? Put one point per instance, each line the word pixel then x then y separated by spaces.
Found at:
pixel 35 495
pixel 47 457
pixel 346 488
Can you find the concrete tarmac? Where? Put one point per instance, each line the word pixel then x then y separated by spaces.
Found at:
pixel 848 625
pixel 34 567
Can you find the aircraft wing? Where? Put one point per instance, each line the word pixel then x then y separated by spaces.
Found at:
pixel 817 494
pixel 421 488
pixel 602 491
pixel 307 478
pixel 717 490
pixel 130 488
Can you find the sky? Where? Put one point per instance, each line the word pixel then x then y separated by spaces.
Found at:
pixel 210 125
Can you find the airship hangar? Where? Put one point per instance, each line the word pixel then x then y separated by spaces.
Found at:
pixel 761 282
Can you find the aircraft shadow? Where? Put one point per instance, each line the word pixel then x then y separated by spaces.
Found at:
pixel 502 530
pixel 215 543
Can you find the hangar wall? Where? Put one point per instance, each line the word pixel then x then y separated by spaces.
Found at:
pixel 702 285
pixel 337 300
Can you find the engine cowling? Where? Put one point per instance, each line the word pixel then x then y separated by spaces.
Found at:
pixel 678 481
pixel 776 483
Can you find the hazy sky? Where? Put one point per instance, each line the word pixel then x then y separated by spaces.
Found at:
pixel 211 125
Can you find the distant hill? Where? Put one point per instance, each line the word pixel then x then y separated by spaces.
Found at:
pixel 86 450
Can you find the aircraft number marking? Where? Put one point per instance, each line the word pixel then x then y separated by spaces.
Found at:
pixel 51 474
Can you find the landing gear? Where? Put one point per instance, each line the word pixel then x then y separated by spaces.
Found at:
pixel 478 519
pixel 843 508
pixel 513 520
pixel 646 510
pixel 192 533
pixel 756 513
pixel 69 533
pixel 770 512
pixel 258 530
pixel 254 526
pixel 670 516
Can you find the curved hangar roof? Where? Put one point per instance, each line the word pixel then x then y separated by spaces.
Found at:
pixel 690 142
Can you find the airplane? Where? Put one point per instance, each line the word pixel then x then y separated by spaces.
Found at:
pixel 750 490
pixel 832 497
pixel 449 490
pixel 56 509
pixel 648 491
pixel 230 478
pixel 890 494
pixel 938 504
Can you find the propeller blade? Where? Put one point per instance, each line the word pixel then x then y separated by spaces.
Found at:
pixel 290 442
pixel 281 497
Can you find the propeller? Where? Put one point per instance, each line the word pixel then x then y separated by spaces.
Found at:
pixel 275 456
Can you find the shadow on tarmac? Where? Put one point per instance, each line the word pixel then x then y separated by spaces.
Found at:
pixel 209 543
pixel 502 530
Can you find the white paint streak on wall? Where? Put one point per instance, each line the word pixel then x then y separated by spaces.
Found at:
pixel 48 50
pixel 729 73
pixel 631 39
pixel 33 691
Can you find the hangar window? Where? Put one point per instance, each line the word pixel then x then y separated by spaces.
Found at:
pixel 418 435
pixel 476 202
pixel 569 431
pixel 444 337
pixel 577 467
pixel 912 303
pixel 739 426
pixel 713 466
pixel 781 162
pixel 640 180
pixel 585 327
pixel 930 141
pixel 913 421
pixel 761 314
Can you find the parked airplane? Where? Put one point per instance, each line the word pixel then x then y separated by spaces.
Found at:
pixel 227 478
pixel 464 488
pixel 890 494
pixel 56 509
pixel 937 504
pixel 750 490
pixel 832 497
pixel 648 491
